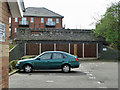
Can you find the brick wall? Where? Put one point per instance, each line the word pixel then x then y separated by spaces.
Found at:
pixel 4 46
pixel 36 24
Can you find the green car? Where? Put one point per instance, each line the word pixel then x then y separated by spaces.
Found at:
pixel 49 60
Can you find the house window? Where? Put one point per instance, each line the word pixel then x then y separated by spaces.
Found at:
pixel 15 30
pixel 49 19
pixel 24 20
pixel 32 20
pixel 42 20
pixel 16 19
pixel 57 20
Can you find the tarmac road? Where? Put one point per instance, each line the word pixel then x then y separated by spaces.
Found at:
pixel 89 75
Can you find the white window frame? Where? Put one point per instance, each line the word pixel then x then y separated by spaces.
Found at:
pixel 42 20
pixel 32 20
pixel 16 19
pixel 57 20
pixel 15 29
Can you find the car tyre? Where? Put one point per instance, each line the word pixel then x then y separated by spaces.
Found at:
pixel 27 68
pixel 66 68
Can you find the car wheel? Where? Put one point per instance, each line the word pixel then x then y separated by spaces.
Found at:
pixel 66 68
pixel 27 68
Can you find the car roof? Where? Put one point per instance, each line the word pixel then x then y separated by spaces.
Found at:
pixel 55 52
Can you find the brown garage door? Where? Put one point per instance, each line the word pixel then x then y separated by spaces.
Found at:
pixel 79 50
pixel 62 47
pixel 90 50
pixel 47 47
pixel 32 49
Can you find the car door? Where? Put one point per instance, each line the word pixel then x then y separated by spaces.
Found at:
pixel 56 61
pixel 43 61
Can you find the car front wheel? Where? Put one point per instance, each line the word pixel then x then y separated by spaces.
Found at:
pixel 27 68
pixel 66 68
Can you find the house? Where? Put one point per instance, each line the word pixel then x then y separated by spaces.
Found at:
pixel 7 9
pixel 41 30
pixel 36 18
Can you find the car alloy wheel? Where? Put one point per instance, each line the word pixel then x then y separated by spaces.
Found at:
pixel 66 68
pixel 28 68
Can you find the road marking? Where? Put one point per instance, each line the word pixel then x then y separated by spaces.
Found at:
pixel 89 74
pixel 100 82
pixel 86 72
pixel 102 87
pixel 49 81
pixel 92 77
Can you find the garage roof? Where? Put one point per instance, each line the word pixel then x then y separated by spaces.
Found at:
pixel 60 34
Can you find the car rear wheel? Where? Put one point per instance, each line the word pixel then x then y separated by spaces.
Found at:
pixel 27 68
pixel 66 68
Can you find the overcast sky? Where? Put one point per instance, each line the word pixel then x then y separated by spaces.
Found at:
pixel 80 14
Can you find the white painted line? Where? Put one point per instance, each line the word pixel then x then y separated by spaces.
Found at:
pixel 89 74
pixel 100 82
pixel 86 72
pixel 102 87
pixel 92 77
pixel 49 81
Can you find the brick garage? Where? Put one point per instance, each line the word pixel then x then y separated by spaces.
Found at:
pixel 78 42
pixel 83 50
pixel 6 11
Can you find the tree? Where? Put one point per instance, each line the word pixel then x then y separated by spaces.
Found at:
pixel 108 27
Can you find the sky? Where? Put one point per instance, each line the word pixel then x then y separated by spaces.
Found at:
pixel 78 14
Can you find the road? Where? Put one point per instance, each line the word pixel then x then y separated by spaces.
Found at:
pixel 88 75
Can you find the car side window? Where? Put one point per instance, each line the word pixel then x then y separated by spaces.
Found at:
pixel 45 56
pixel 65 56
pixel 57 56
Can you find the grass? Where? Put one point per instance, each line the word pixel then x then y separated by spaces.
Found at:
pixel 11 46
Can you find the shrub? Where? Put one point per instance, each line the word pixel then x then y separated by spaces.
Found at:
pixel 12 65
pixel 26 57
pixel 10 68
pixel 11 46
